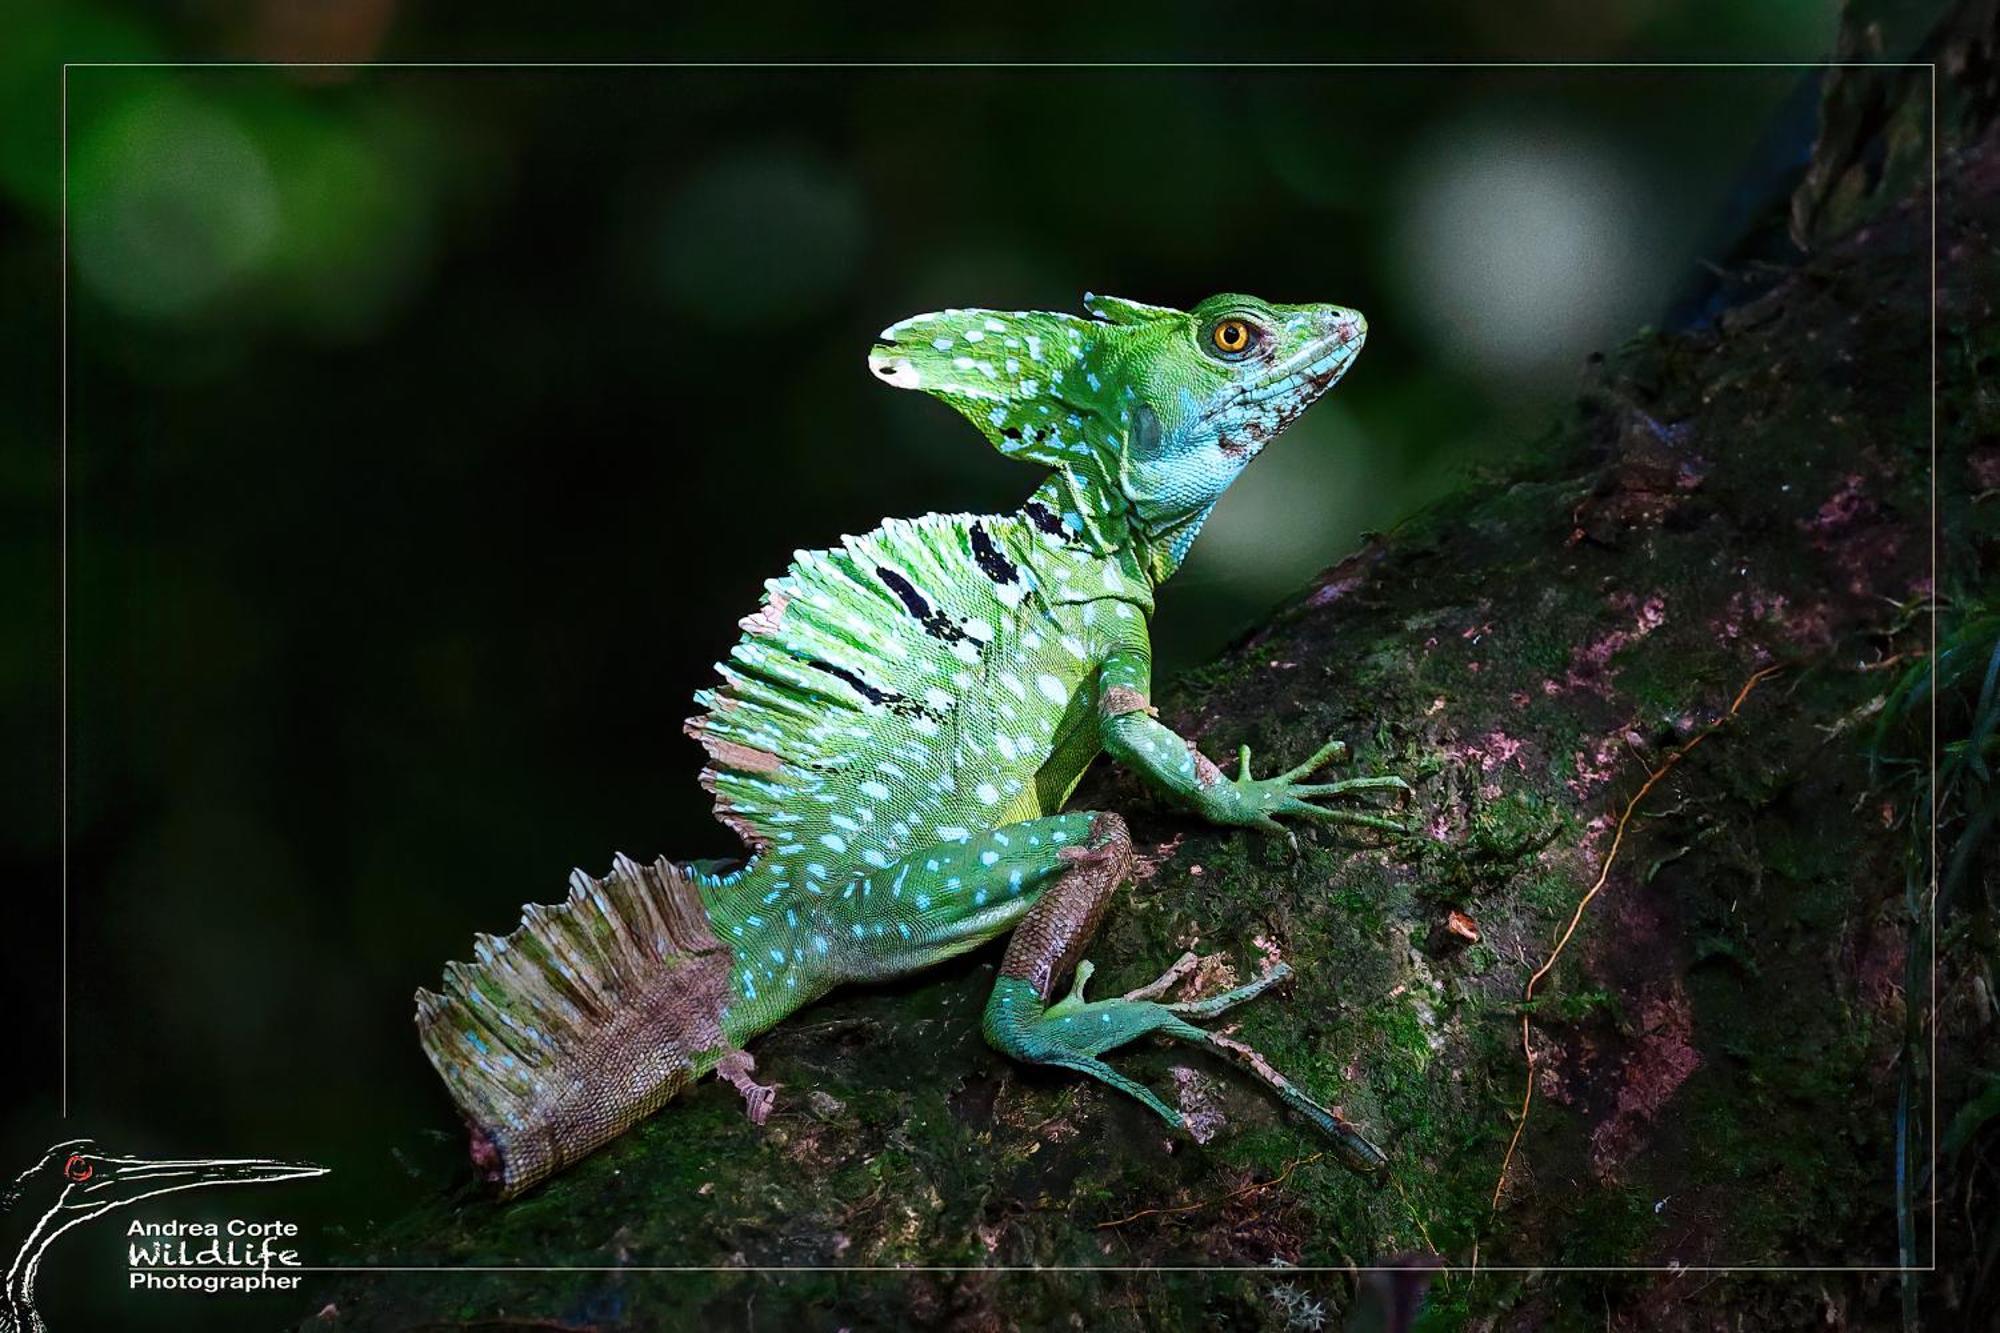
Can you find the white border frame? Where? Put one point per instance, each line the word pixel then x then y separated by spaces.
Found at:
pixel 1025 65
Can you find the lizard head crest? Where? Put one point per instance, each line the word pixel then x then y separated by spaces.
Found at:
pixel 1164 407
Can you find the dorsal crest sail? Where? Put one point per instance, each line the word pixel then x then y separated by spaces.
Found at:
pixel 837 734
pixel 859 648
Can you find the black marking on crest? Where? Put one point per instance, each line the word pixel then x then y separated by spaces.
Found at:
pixel 991 563
pixel 860 686
pixel 1044 518
pixel 935 622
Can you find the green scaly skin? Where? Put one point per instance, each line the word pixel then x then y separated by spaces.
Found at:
pixel 896 734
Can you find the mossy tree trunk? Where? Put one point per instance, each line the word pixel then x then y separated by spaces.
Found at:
pixel 1646 661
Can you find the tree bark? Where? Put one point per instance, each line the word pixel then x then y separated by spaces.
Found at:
pixel 1632 679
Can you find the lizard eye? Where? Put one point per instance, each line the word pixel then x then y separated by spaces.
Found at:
pixel 78 1168
pixel 1232 338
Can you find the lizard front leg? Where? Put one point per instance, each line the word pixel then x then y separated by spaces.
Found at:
pixel 1174 766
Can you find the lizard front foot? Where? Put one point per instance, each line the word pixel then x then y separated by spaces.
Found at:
pixel 1257 802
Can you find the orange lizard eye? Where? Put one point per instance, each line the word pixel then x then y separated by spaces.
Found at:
pixel 1231 336
pixel 77 1168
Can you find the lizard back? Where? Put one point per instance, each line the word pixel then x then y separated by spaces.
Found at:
pixel 906 687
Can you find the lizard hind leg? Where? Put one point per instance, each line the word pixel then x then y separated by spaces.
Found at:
pixel 1074 1032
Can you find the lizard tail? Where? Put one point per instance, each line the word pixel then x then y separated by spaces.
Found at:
pixel 585 1020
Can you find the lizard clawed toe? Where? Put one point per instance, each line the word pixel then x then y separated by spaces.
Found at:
pixel 758 1098
pixel 1088 856
pixel 1166 981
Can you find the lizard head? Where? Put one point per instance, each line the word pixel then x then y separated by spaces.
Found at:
pixel 1155 410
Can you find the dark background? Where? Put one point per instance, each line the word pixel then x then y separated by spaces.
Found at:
pixel 428 430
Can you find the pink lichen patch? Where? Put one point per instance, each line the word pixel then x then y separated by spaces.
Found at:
pixel 1842 509
pixel 1269 951
pixel 1850 526
pixel 1597 766
pixel 1489 752
pixel 1864 556
pixel 1753 609
pixel 1333 590
pixel 1595 835
pixel 1658 1063
pixel 1590 665
pixel 1146 864
pixel 1348 575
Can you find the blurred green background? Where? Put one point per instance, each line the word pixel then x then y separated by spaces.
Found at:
pixel 429 429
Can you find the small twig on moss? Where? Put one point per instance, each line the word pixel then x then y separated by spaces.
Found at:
pixel 1653 780
pixel 1422 1230
pixel 1251 1188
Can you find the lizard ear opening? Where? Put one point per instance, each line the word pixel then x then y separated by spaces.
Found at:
pixel 1023 378
pixel 1118 310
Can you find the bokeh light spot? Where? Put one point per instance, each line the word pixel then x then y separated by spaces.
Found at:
pixel 172 205
pixel 1522 249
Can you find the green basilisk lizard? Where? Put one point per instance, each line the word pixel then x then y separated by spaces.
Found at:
pixel 894 737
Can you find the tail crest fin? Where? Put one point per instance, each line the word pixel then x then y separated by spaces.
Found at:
pixel 584 1020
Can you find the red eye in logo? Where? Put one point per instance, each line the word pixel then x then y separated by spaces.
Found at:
pixel 78 1167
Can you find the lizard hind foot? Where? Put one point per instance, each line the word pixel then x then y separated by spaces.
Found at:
pixel 758 1098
